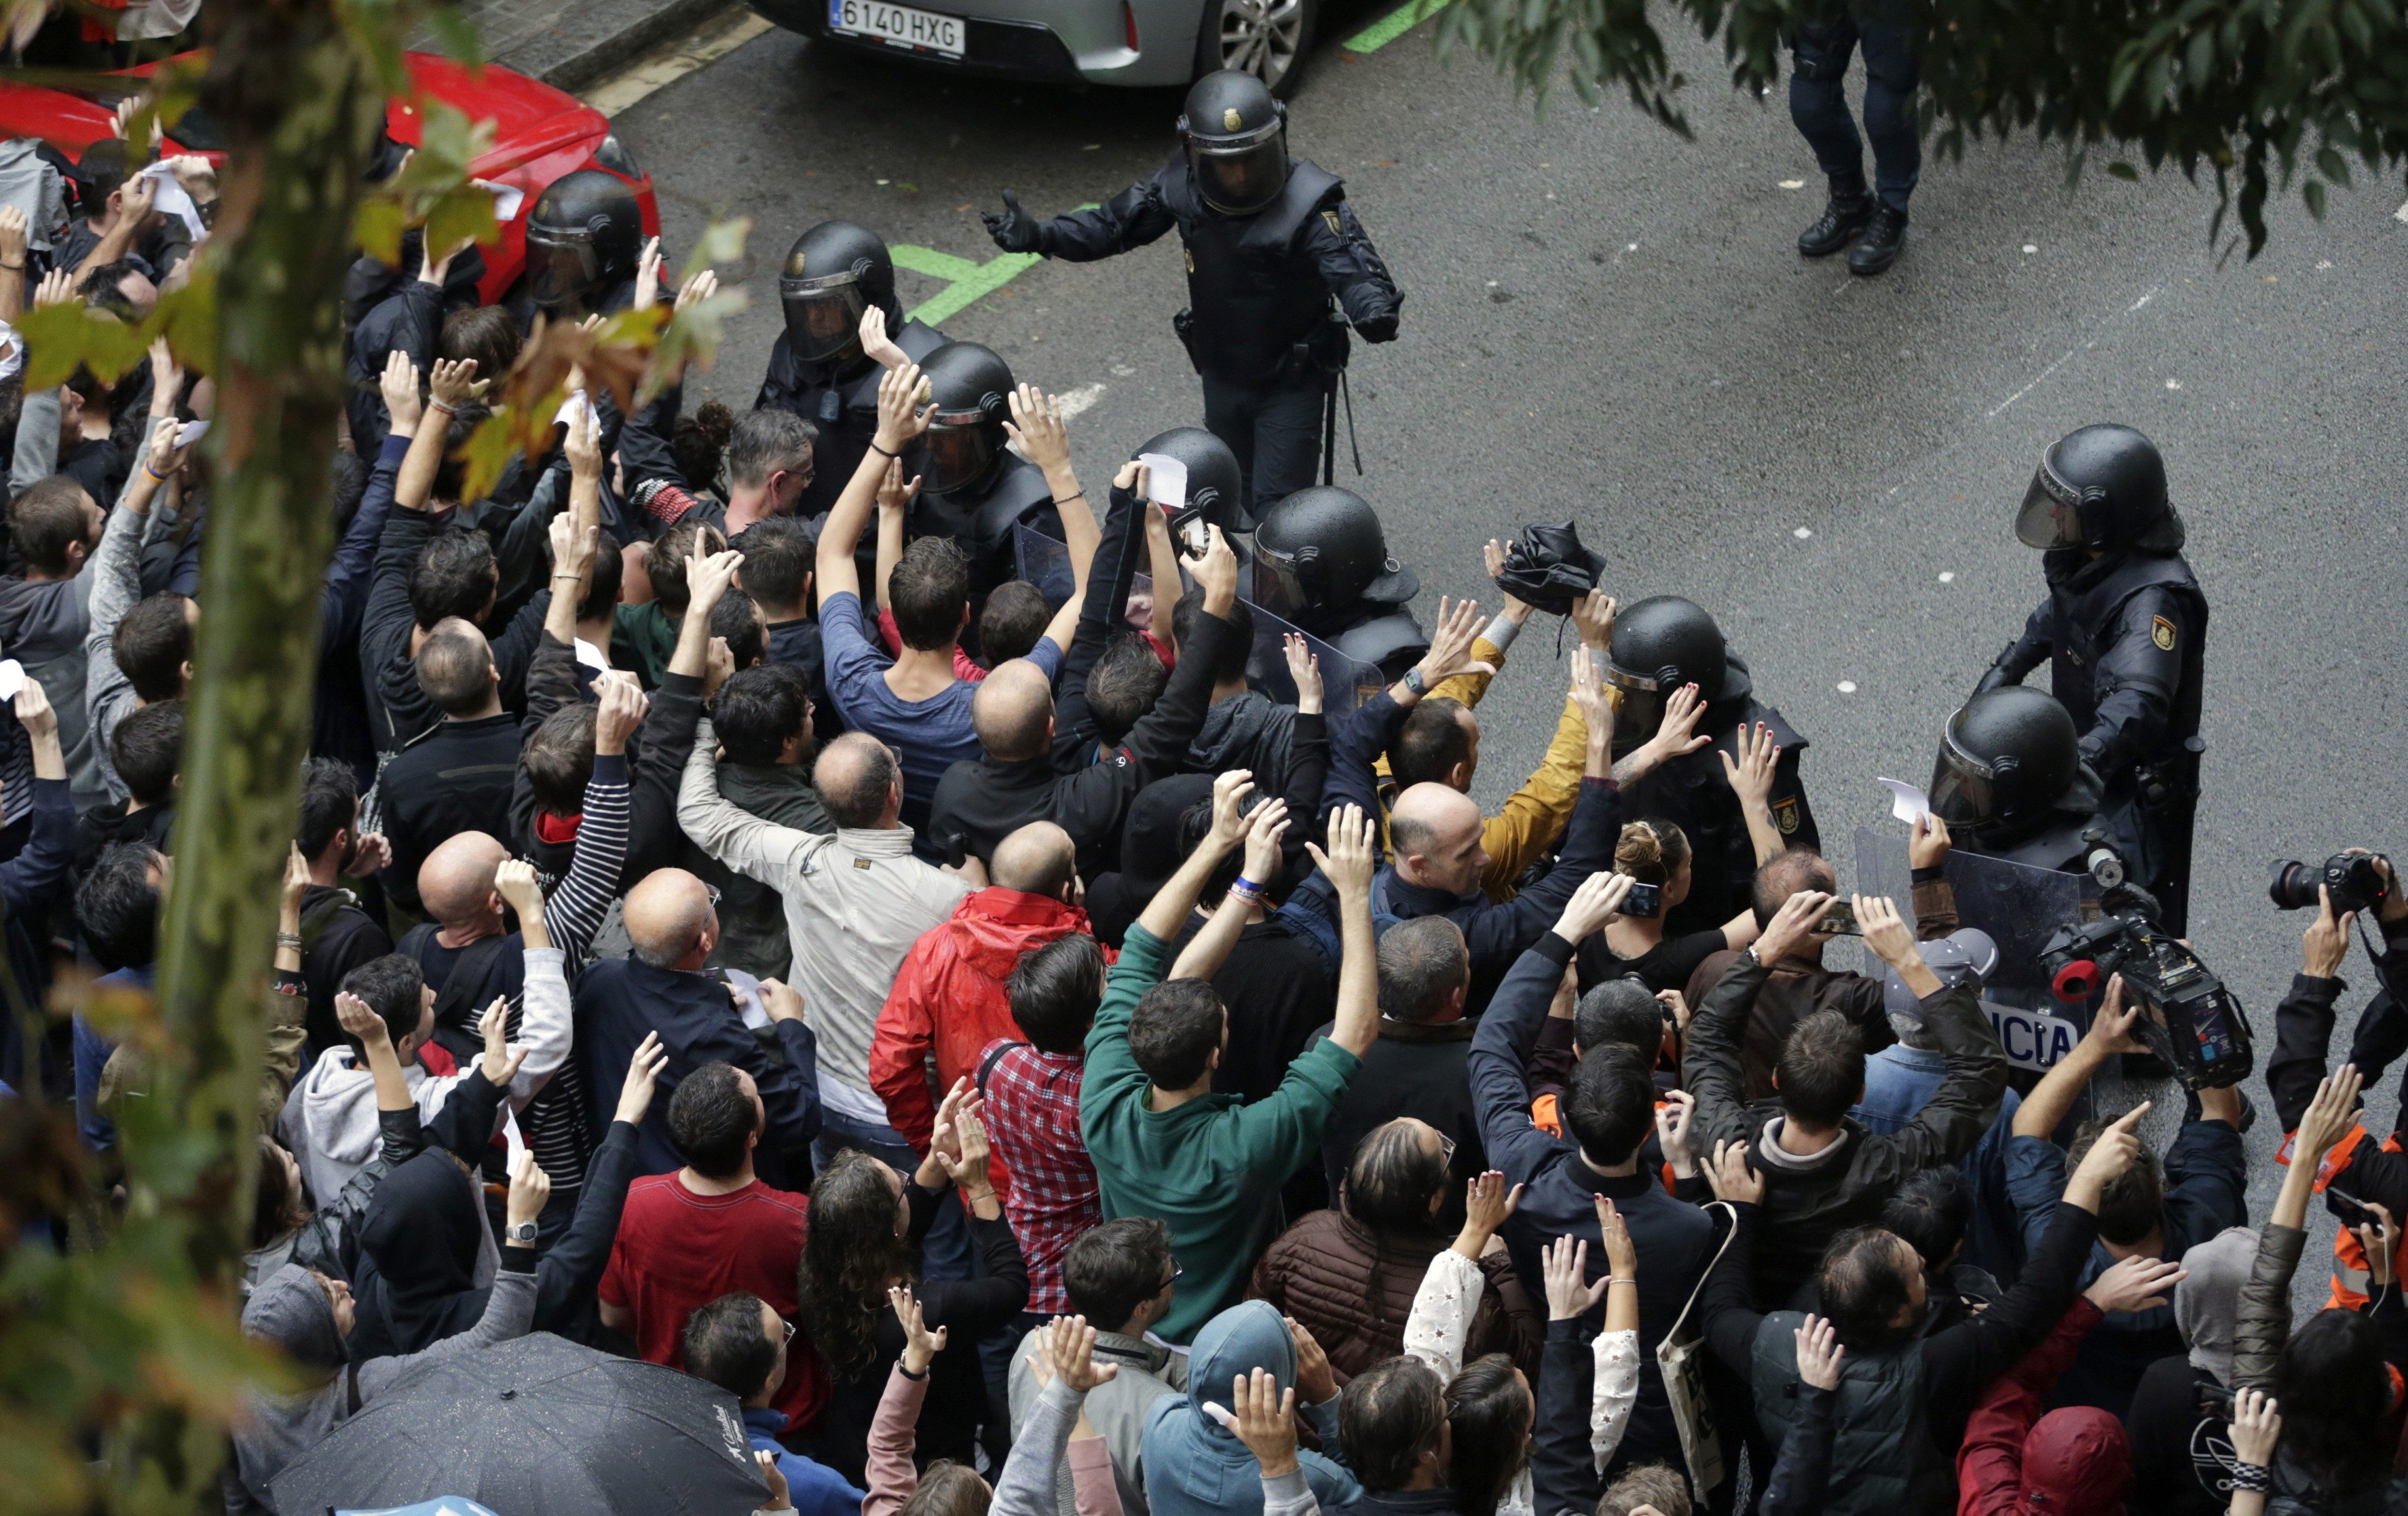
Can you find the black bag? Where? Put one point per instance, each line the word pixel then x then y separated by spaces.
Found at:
pixel 1548 568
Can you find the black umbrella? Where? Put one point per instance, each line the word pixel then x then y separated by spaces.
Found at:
pixel 538 1427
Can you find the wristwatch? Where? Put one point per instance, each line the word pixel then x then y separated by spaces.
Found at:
pixel 520 1235
pixel 1413 681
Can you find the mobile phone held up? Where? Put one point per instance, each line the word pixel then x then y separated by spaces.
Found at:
pixel 1645 901
pixel 1839 919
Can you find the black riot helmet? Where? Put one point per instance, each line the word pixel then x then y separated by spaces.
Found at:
pixel 2101 488
pixel 970 389
pixel 834 273
pixel 1236 136
pixel 2006 760
pixel 1321 549
pixel 582 237
pixel 1214 483
pixel 1660 644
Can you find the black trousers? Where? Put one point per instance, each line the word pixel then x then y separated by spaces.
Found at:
pixel 1274 429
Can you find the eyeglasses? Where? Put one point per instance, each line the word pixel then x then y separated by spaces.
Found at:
pixel 713 890
pixel 1445 1151
pixel 790 1328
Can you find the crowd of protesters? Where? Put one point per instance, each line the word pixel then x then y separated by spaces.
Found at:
pixel 625 991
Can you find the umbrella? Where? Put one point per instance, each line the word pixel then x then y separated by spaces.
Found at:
pixel 538 1427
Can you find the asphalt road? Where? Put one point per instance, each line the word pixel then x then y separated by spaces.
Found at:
pixel 1607 323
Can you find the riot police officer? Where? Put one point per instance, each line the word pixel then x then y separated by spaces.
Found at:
pixel 2010 782
pixel 1659 645
pixel 582 240
pixel 972 487
pixel 834 274
pixel 2123 628
pixel 1215 484
pixel 1322 563
pixel 1270 241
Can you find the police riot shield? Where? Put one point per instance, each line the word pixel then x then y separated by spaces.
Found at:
pixel 2020 907
pixel 1345 683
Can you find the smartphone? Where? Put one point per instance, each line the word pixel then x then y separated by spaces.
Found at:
pixel 1839 919
pixel 1644 900
pixel 2351 1210
pixel 957 848
pixel 1188 527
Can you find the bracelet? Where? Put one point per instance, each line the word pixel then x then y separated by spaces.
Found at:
pixel 1610 1279
pixel 151 474
pixel 445 407
pixel 14 269
pixel 288 939
pixel 2251 1477
pixel 1064 500
pixel 881 451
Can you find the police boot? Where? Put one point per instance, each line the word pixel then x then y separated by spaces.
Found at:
pixel 1884 235
pixel 1850 206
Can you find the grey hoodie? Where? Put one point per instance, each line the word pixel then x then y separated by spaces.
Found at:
pixel 2207 1304
pixel 1196 1466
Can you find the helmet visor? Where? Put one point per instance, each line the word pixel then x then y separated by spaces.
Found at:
pixel 2051 516
pixel 955 451
pixel 561 265
pixel 1278 587
pixel 1240 176
pixel 1961 789
pixel 822 315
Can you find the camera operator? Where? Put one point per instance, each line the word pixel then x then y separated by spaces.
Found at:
pixel 2360 1170
pixel 2154 1208
pixel 2123 627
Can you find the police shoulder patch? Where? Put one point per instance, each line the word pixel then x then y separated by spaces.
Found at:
pixel 2161 632
pixel 1784 815
pixel 1331 217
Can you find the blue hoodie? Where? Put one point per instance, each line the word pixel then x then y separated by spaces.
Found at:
pixel 1196 1466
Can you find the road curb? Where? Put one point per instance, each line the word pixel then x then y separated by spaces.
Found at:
pixel 592 41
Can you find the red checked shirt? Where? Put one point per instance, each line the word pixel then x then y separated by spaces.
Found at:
pixel 1032 1118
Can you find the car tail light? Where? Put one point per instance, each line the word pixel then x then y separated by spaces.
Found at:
pixel 1128 24
pixel 613 155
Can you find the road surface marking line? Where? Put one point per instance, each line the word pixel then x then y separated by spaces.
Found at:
pixel 965 283
pixel 929 261
pixel 2150 295
pixel 674 62
pixel 1393 25
pixel 1075 402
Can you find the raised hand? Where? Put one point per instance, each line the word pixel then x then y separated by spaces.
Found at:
pixel 296 875
pixel 1229 793
pixel 515 882
pixel 620 713
pixel 707 575
pixel 1593 613
pixel 1459 624
pixel 1015 230
pixel 899 416
pixel 360 1021
pixel 1564 1265
pixel 1678 733
pixel 1819 1352
pixel 1891 939
pixel 1264 1419
pixel 35 712
pixel 2326 942
pixel 530 1187
pixel 920 1345
pixel 896 492
pixel 1353 853
pixel 1314 1379
pixel 1304 668
pixel 1621 1255
pixel 582 446
pixel 1928 847
pixel 1217 572
pixel 453 383
pixel 1068 1349
pixel 1487 1200
pixel 2329 1115
pixel 781 1498
pixel 701 287
pixel 56 289
pixel 2256 1428
pixel 876 345
pixel 1750 776
pixel 1672 1123
pixel 1792 925
pixel 500 1064
pixel 643 1071
pixel 2116 1149
pixel 1036 424
pixel 398 384
pixel 647 276
pixel 1264 830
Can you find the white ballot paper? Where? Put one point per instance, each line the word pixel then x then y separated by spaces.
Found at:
pixel 1166 481
pixel 12 679
pixel 1906 801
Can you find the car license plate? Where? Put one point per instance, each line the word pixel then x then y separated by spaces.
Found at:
pixel 898 24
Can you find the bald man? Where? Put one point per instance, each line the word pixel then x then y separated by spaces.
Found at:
pixel 457 776
pixel 663 988
pixel 983 800
pixel 949 999
pixel 856 902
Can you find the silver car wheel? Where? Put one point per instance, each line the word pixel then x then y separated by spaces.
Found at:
pixel 1261 37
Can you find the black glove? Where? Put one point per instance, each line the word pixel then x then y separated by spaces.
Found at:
pixel 1992 677
pixel 1015 230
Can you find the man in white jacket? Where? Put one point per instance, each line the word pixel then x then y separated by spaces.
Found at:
pixel 330 1120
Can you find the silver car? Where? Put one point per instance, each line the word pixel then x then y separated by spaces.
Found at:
pixel 1138 42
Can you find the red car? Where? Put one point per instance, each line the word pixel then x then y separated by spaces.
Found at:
pixel 540 133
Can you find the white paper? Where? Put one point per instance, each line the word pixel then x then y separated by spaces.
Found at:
pixel 12 679
pixel 168 196
pixel 190 433
pixel 1906 801
pixel 1166 481
pixel 506 200
pixel 746 991
pixel 570 409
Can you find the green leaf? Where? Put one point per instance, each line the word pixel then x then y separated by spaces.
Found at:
pixel 722 242
pixel 2313 191
pixel 486 453
pixel 59 338
pixel 377 227
pixel 2122 170
pixel 2333 166
pixel 462 215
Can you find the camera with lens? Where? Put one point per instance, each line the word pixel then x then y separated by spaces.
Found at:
pixel 2193 1021
pixel 2351 877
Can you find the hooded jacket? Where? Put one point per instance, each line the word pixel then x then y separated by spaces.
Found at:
pixel 330 1124
pixel 42 625
pixel 290 1311
pixel 2076 1460
pixel 948 1002
pixel 1196 1466
pixel 1246 731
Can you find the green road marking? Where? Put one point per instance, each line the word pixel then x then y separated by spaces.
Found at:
pixel 1393 25
pixel 965 283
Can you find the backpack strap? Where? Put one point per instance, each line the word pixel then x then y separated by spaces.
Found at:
pixel 1729 1232
pixel 986 1065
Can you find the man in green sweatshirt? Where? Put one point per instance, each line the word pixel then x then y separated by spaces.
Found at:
pixel 1209 1166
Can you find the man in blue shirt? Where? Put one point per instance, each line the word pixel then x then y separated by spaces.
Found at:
pixel 738 1343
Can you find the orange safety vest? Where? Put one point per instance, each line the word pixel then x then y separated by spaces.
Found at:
pixel 2349 1270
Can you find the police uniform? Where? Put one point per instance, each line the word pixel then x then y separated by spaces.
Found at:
pixel 1260 328
pixel 2125 636
pixel 1694 794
